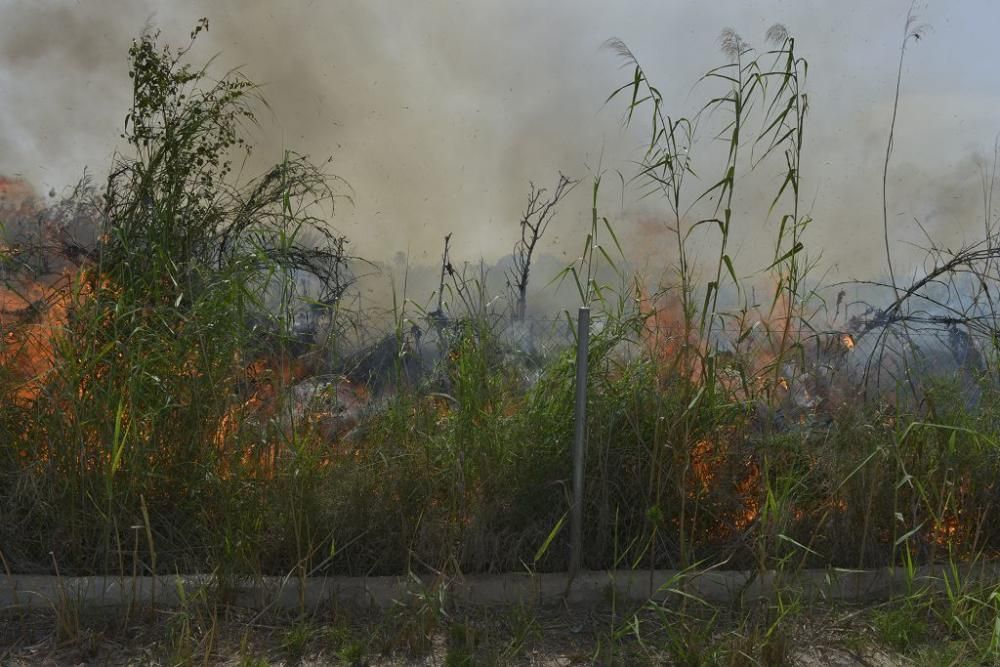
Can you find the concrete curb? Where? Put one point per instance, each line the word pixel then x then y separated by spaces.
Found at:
pixel 715 586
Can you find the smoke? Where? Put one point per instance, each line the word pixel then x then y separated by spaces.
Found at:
pixel 439 113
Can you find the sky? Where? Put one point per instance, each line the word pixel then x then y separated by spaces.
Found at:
pixel 439 113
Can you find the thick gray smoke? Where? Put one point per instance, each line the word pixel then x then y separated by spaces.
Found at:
pixel 439 113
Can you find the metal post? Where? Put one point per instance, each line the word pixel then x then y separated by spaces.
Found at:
pixel 579 438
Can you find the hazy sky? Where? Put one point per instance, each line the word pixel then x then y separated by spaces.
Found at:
pixel 438 113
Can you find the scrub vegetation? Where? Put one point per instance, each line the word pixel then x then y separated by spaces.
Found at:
pixel 187 385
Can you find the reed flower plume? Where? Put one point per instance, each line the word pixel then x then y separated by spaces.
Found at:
pixel 731 44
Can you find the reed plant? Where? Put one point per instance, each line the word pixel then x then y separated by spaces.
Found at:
pixel 164 435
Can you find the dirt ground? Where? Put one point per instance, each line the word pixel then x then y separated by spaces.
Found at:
pixel 554 637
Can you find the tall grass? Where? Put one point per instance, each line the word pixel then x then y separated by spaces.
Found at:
pixel 165 434
pixel 146 403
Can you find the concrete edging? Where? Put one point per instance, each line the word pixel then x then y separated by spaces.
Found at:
pixel 715 586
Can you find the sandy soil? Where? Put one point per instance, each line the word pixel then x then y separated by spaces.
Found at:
pixel 550 638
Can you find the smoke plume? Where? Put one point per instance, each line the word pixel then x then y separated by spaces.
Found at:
pixel 440 113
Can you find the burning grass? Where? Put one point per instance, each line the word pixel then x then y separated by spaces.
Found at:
pixel 163 410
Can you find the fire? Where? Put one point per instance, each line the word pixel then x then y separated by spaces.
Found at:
pixel 666 336
pixel 748 488
pixel 701 463
pixel 285 398
pixel 37 296
pixel 708 462
pixel 947 531
pixel 16 195
pixel 33 301
pixel 31 314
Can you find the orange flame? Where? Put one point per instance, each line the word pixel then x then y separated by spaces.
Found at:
pixel 30 317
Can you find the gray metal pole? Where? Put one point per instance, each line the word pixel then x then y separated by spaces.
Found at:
pixel 579 438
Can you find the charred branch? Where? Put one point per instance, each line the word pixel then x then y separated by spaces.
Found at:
pixel 538 213
pixel 446 269
pixel 951 302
